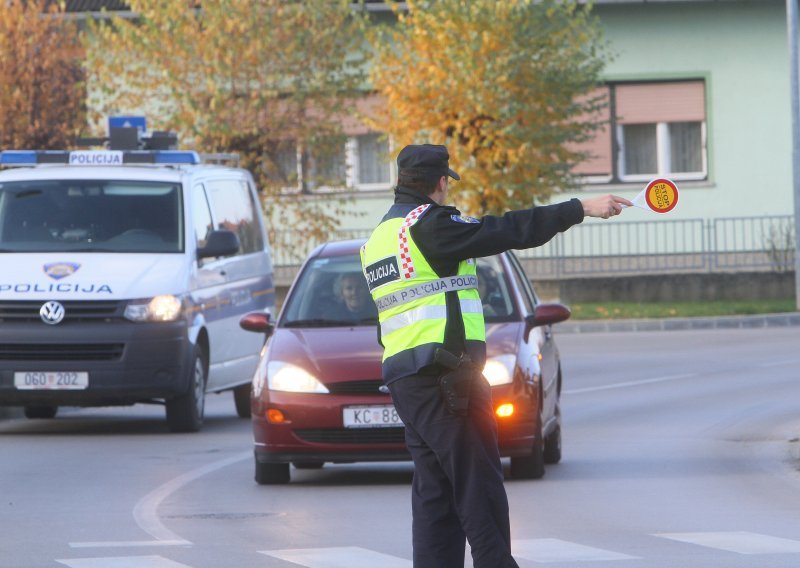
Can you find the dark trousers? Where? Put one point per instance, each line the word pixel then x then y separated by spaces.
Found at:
pixel 457 491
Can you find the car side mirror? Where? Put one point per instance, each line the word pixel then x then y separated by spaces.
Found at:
pixel 219 243
pixel 546 314
pixel 258 322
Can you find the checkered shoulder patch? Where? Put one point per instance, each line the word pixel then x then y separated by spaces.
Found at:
pixel 406 264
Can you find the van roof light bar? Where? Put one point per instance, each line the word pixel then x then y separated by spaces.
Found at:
pixel 98 157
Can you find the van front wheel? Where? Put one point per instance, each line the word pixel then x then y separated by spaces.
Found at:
pixel 185 412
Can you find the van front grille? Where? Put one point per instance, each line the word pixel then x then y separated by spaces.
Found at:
pixel 74 311
pixel 61 351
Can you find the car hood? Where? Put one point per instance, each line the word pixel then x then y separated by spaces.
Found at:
pixel 349 354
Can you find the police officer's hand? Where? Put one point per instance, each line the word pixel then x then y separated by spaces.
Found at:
pixel 604 206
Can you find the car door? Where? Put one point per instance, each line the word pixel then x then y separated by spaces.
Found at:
pixel 543 336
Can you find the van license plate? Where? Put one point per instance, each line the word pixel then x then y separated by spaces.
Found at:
pixel 382 416
pixel 50 380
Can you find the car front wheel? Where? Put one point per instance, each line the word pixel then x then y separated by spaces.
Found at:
pixel 552 443
pixel 241 397
pixel 532 465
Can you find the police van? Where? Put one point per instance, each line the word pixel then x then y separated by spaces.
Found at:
pixel 123 276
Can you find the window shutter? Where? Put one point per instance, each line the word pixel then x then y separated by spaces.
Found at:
pixel 682 101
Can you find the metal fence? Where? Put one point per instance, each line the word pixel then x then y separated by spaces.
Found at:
pixel 592 248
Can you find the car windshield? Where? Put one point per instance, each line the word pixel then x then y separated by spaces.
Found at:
pixel 90 216
pixel 330 292
pixel 494 291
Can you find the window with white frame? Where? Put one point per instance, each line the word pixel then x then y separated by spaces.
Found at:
pixel 369 156
pixel 362 163
pixel 658 129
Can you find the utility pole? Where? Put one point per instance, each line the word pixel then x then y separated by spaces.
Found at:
pixel 791 24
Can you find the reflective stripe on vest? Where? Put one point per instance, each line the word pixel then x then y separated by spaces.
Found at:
pixel 412 313
pixel 411 317
pixel 449 284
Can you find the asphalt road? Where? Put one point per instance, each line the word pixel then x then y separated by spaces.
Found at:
pixel 680 450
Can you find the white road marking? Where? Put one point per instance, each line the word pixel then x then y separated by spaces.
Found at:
pixel 741 542
pixel 339 557
pixel 145 513
pixel 555 550
pixel 779 363
pixel 123 562
pixel 128 543
pixel 630 383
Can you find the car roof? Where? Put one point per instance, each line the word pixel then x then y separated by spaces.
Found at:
pixel 338 248
pixel 342 248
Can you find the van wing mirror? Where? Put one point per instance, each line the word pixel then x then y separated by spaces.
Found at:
pixel 546 314
pixel 258 322
pixel 219 243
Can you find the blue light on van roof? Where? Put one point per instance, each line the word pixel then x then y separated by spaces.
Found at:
pixel 176 157
pixel 18 158
pixel 98 157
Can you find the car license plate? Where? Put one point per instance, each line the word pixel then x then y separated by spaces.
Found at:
pixel 381 416
pixel 50 380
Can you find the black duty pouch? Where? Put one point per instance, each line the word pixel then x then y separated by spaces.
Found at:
pixel 455 385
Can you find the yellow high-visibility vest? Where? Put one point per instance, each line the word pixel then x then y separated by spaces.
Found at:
pixel 410 295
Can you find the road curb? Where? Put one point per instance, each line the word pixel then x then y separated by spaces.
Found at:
pixel 675 324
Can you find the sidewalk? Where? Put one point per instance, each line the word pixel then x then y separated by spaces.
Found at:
pixel 669 324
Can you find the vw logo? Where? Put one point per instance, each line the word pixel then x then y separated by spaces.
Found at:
pixel 51 313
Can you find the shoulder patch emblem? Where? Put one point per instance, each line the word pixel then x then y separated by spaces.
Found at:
pixel 464 219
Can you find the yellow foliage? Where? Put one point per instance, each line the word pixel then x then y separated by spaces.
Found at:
pixel 42 91
pixel 502 84
pixel 233 76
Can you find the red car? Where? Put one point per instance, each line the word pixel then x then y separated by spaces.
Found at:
pixel 317 393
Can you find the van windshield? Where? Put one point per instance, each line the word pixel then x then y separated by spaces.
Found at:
pixel 90 216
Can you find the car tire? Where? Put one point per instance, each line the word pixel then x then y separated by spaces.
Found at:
pixel 308 465
pixel 552 443
pixel 241 398
pixel 272 473
pixel 185 412
pixel 532 465
pixel 45 412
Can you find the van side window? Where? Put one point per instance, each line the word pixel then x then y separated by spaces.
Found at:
pixel 201 215
pixel 234 209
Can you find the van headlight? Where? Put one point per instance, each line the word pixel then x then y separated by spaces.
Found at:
pixel 291 378
pixel 500 370
pixel 161 308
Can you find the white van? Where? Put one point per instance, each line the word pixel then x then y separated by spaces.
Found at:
pixel 123 276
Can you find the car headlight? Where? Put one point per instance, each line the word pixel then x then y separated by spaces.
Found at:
pixel 291 378
pixel 160 308
pixel 500 370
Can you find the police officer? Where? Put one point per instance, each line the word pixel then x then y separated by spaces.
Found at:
pixel 420 267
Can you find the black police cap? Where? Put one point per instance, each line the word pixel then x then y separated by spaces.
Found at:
pixel 425 160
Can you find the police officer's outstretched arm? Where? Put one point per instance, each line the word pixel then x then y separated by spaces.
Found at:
pixel 459 237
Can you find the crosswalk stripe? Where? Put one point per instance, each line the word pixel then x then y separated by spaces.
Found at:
pixel 122 562
pixel 339 557
pixel 738 541
pixel 555 550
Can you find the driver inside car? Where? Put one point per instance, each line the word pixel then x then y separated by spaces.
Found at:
pixel 352 301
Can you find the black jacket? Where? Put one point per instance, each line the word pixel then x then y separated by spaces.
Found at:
pixel 446 237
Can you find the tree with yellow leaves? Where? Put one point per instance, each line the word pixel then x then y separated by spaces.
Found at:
pixel 270 80
pixel 507 86
pixel 42 96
